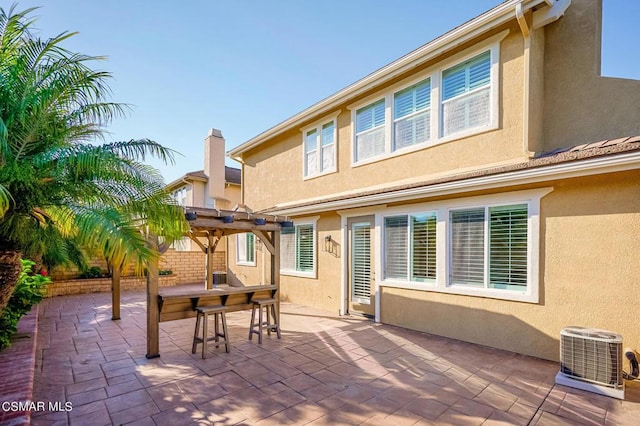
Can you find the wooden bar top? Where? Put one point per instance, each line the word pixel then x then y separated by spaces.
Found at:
pixel 176 303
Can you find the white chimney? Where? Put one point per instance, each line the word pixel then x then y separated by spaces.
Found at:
pixel 214 152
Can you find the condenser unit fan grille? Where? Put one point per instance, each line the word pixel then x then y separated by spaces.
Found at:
pixel 591 355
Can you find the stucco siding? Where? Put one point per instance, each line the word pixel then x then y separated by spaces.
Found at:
pixel 278 163
pixel 580 105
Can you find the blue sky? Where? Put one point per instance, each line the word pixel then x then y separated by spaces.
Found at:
pixel 243 66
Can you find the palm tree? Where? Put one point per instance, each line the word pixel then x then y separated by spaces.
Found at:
pixel 59 193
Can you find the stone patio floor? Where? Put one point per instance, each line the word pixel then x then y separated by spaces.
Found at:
pixel 326 370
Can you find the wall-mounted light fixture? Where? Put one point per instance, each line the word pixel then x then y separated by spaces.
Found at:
pixel 328 244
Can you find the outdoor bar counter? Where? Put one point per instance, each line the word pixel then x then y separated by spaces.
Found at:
pixel 174 303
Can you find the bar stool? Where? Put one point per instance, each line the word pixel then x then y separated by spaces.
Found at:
pixel 269 305
pixel 203 313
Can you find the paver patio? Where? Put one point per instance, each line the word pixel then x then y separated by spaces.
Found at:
pixel 326 370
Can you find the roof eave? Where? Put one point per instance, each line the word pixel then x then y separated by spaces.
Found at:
pixel 489 20
pixel 587 167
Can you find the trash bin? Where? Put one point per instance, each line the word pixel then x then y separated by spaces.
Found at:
pixel 219 278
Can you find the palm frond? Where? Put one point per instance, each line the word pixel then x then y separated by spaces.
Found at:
pixel 5 200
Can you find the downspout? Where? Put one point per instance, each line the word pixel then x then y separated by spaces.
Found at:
pixel 526 34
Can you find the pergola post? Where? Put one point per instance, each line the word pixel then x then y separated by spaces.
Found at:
pixel 115 292
pixel 210 250
pixel 275 267
pixel 153 310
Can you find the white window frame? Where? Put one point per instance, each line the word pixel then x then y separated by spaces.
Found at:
pixel 494 63
pixel 410 147
pixel 309 274
pixel 492 45
pixel 241 240
pixel 442 283
pixel 409 246
pixel 317 126
pixel 385 126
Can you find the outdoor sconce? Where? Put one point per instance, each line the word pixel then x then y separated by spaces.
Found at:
pixel 191 216
pixel 328 243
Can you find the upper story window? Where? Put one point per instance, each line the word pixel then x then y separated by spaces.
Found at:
pixel 412 115
pixel 457 99
pixel 466 95
pixel 246 249
pixel 320 149
pixel 297 250
pixel 370 131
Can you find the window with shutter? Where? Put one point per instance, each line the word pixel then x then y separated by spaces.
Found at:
pixel 396 244
pixel 361 262
pixel 489 247
pixel 410 247
pixel 288 249
pixel 412 118
pixel 370 122
pixel 245 248
pixel 508 247
pixel 320 149
pixel 297 250
pixel 466 95
pixel 304 248
pixel 467 247
pixel 311 153
pixel 423 247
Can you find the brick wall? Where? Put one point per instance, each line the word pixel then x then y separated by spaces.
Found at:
pixel 100 285
pixel 187 266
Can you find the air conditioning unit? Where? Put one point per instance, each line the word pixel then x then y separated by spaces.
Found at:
pixel 591 360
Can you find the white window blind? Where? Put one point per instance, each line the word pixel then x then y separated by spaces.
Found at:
pixel 288 249
pixel 311 152
pixel 320 149
pixel 410 247
pixel 412 116
pixel 370 122
pixel 361 261
pixel 508 247
pixel 466 98
pixel 467 247
pixel 497 234
pixel 396 243
pixel 328 147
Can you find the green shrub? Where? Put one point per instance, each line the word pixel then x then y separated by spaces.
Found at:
pixel 93 272
pixel 28 292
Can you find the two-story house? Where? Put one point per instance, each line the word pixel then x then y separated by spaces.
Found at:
pixel 484 187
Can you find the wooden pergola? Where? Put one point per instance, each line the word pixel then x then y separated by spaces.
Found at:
pixel 211 225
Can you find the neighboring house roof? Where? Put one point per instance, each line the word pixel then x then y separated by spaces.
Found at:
pixel 580 160
pixel 494 18
pixel 232 176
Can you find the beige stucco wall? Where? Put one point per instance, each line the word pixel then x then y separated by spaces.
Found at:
pixel 278 164
pixel 590 237
pixel 580 106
